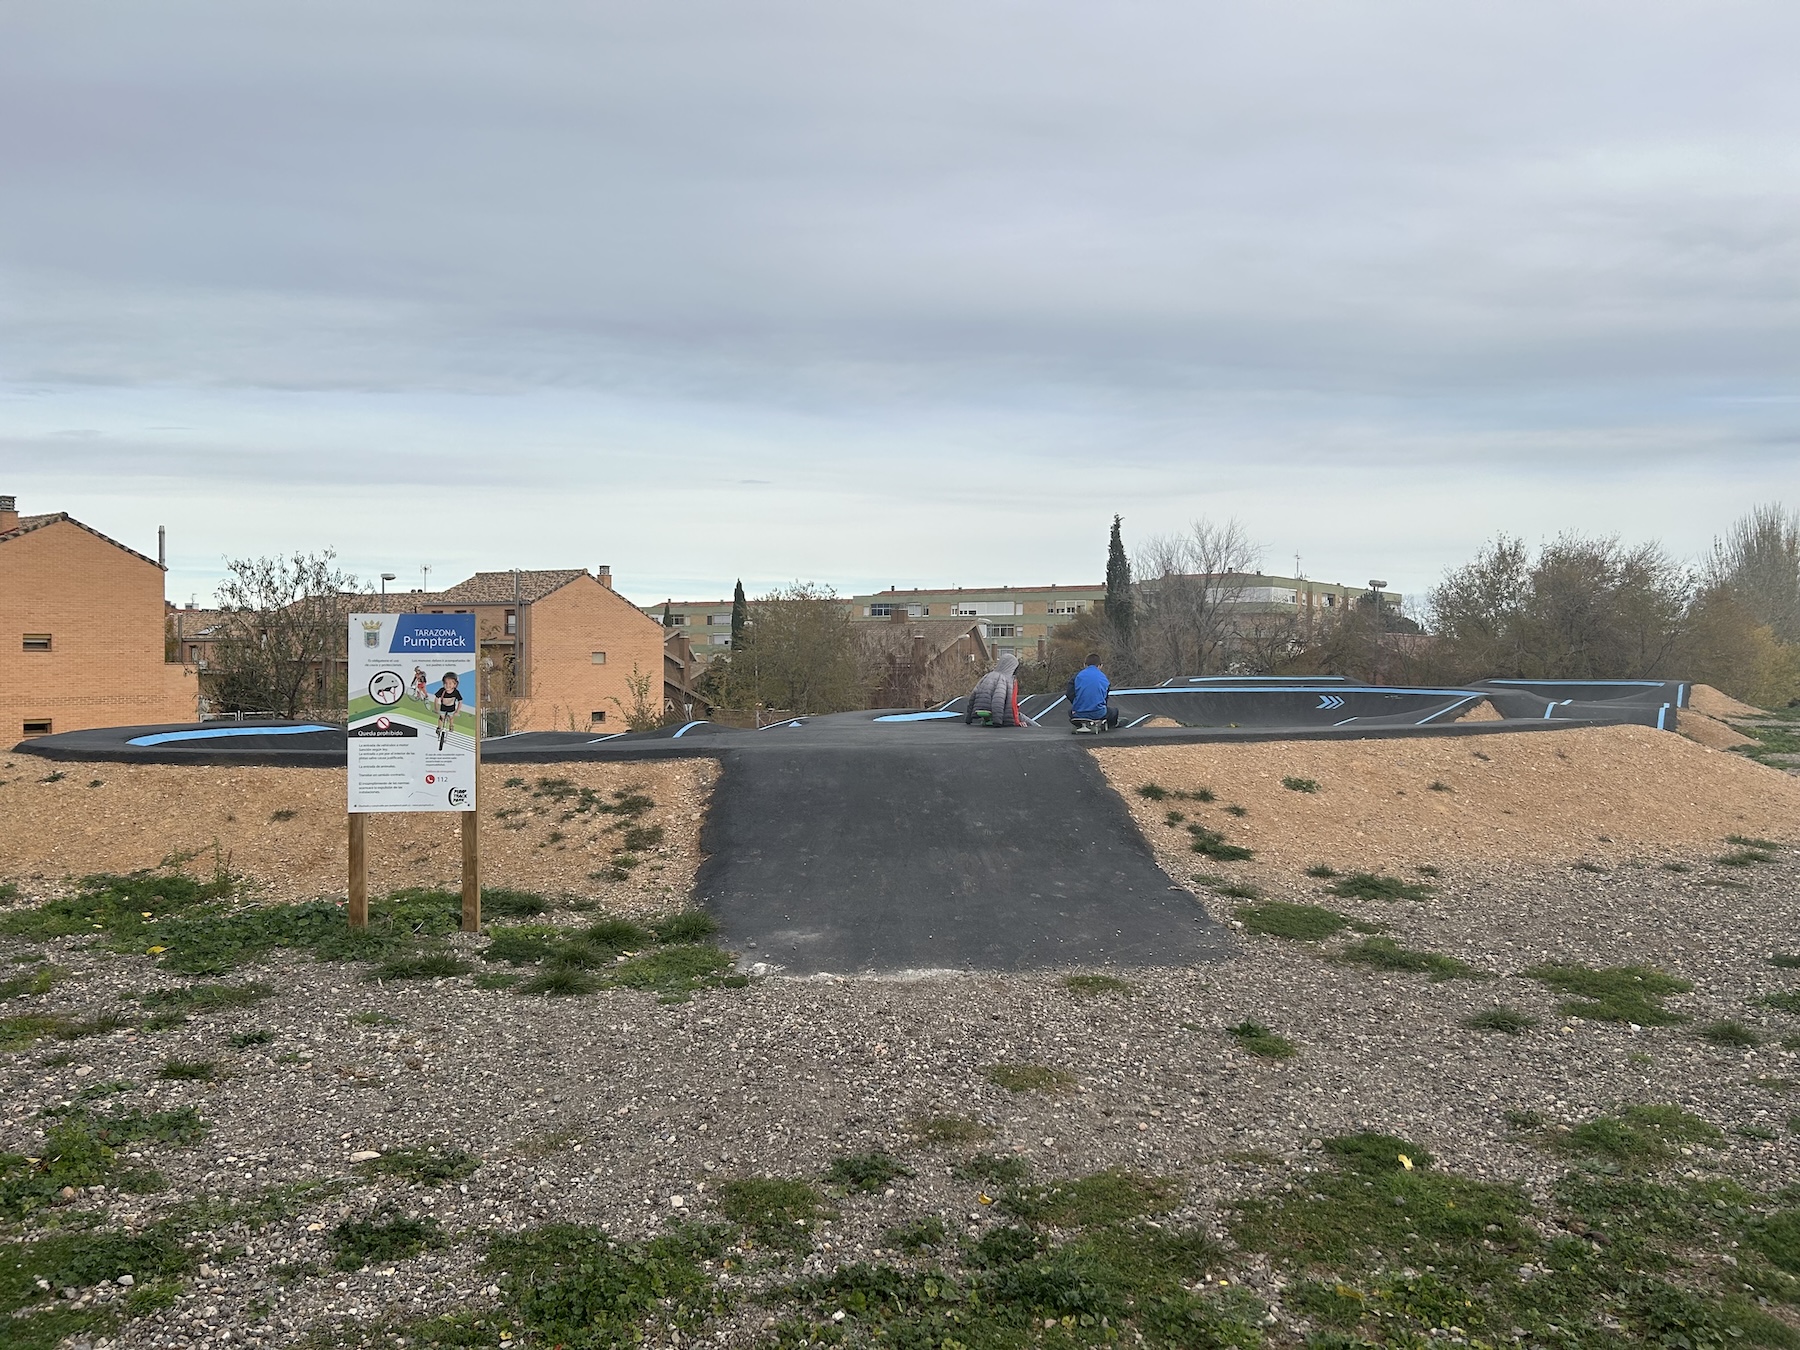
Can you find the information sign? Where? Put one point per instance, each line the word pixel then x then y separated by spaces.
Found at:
pixel 412 712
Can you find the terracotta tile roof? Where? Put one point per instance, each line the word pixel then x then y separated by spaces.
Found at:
pixel 29 523
pixel 496 588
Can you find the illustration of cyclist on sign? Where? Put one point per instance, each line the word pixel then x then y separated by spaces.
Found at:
pixel 449 703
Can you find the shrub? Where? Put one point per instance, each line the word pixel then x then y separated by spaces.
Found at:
pixel 1300 784
pixel 1258 1040
pixel 1373 886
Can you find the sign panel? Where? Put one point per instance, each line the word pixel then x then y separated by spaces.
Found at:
pixel 412 712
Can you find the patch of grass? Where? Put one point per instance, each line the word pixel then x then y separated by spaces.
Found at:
pixel 243 1040
pixel 1439 785
pixel 1380 953
pixel 1630 994
pixel 503 902
pixel 1639 1137
pixel 79 1151
pixel 1300 784
pixel 917 1236
pixel 1374 886
pixel 30 982
pixel 688 926
pixel 1523 1120
pixel 1088 986
pixel 205 998
pixel 1174 818
pixel 81 1259
pixel 1728 1034
pixel 1109 1197
pixel 1429 870
pixel 525 945
pixel 1283 919
pixel 775 1212
pixel 1323 871
pixel 1501 1018
pixel 18 1032
pixel 673 971
pixel 384 1236
pixel 1787 1001
pixel 559 982
pixel 1744 857
pixel 439 964
pixel 286 813
pixel 618 935
pixel 865 1173
pixel 1786 960
pixel 1154 792
pixel 1212 844
pixel 1029 1078
pixel 998 1170
pixel 425 1164
pixel 492 980
pixel 641 838
pixel 1235 810
pixel 189 1070
pixel 949 1130
pixel 1747 841
pixel 1256 1039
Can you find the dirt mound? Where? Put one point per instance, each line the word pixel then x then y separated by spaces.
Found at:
pixel 1162 722
pixel 1483 711
pixel 1710 731
pixel 1706 700
pixel 284 828
pixel 1600 793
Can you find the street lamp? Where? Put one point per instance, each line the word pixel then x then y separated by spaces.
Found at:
pixel 385 578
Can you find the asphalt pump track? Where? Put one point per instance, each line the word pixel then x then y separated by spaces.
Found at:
pixel 905 841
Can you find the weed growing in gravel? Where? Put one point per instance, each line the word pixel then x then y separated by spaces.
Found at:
pixel 438 964
pixel 688 926
pixel 189 1070
pixel 1639 1137
pixel 1300 784
pixel 1109 1197
pixel 559 982
pixel 917 1236
pixel 1380 953
pixel 1323 871
pixel 1728 1034
pixel 30 982
pixel 1373 886
pixel 1088 986
pixel 865 1173
pixel 1787 1001
pixel 205 998
pixel 1211 844
pixel 426 1164
pixel 492 980
pixel 1501 1018
pixel 79 1151
pixel 1174 818
pixel 1235 810
pixel 951 1130
pixel 1155 792
pixel 1744 857
pixel 1283 919
pixel 81 1260
pixel 243 1040
pixel 503 902
pixel 1786 960
pixel 1225 886
pixel 775 1212
pixel 18 1032
pixel 384 1236
pixel 1256 1039
pixel 1029 1078
pixel 998 1170
pixel 1614 994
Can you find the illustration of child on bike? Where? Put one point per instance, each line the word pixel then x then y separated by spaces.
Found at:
pixel 449 703
pixel 421 689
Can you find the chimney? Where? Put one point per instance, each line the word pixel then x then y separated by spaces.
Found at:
pixel 162 548
pixel 9 513
pixel 605 574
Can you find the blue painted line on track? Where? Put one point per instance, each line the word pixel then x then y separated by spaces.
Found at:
pixel 689 727
pixel 916 717
pixel 212 734
pixel 1639 684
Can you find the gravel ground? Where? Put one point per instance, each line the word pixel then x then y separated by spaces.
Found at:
pixel 616 1110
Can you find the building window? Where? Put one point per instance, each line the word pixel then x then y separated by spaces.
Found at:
pixel 677 620
pixel 880 611
pixel 37 726
pixel 597 658
pixel 512 623
pixel 37 642
pixel 998 630
pixel 596 718
pixel 719 620
pixel 1067 607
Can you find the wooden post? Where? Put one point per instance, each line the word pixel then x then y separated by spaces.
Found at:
pixel 359 870
pixel 471 830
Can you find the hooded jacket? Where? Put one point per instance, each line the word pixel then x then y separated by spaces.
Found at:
pixel 997 693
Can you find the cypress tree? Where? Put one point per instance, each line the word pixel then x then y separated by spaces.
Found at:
pixel 1121 611
pixel 740 614
pixel 668 618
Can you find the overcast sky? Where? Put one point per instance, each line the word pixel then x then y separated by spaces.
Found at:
pixel 881 294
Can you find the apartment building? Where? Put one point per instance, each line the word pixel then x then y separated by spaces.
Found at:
pixel 81 631
pixel 706 624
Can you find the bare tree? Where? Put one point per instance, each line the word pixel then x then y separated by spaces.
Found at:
pixel 1189 592
pixel 1758 562
pixel 645 711
pixel 282 646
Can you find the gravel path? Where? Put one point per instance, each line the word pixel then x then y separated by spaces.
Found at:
pixel 616 1110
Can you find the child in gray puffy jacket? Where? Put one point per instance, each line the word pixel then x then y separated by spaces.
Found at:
pixel 997 696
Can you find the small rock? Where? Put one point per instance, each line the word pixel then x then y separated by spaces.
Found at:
pixel 126 1280
pixel 364 1155
pixel 677 1201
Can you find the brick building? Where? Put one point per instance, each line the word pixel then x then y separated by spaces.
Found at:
pixel 560 650
pixel 82 635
